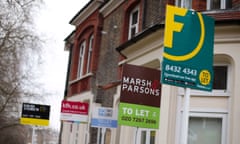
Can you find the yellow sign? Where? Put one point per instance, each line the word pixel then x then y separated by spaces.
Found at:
pixel 34 121
pixel 35 114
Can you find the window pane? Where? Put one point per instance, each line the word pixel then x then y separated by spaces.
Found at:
pixel 143 137
pixel 135 17
pixel 133 31
pixel 228 4
pixel 220 78
pixel 205 130
pixel 152 137
pixel 81 59
pixel 89 59
pixel 133 22
pixel 215 4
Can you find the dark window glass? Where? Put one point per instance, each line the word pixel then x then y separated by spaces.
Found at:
pixel 228 4
pixel 220 78
pixel 215 4
pixel 133 31
pixel 135 17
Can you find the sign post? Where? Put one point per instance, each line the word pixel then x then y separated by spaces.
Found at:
pixel 188 54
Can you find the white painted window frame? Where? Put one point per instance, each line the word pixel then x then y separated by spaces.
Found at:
pixel 90 49
pixel 205 114
pixel 131 25
pixel 222 4
pixel 81 59
pixel 214 92
pixel 223 116
pixel 139 135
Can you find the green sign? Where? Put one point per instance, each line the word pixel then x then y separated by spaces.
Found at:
pixel 188 49
pixel 138 115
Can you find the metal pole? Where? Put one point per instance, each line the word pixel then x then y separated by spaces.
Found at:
pixel 33 134
pixel 136 136
pixel 103 135
pixel 185 119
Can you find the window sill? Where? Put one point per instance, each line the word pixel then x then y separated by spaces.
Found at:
pixel 81 78
pixel 221 93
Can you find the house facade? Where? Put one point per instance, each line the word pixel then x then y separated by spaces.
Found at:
pixel 111 33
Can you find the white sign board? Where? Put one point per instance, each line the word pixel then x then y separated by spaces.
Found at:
pixel 104 117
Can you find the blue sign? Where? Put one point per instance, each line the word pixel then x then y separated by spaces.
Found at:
pixel 104 117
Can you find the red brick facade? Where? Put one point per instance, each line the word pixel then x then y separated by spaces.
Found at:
pixel 90 27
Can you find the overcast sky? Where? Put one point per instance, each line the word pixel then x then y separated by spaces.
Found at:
pixel 53 25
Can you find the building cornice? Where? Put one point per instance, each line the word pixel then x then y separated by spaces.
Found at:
pixel 69 40
pixel 85 12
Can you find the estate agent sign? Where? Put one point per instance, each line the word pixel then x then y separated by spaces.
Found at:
pixel 104 117
pixel 74 111
pixel 140 97
pixel 188 49
pixel 35 114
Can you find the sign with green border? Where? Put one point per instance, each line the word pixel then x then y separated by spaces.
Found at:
pixel 188 49
pixel 140 97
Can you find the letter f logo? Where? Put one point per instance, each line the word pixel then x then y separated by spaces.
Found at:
pixel 171 25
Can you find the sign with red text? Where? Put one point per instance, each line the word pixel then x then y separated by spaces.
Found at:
pixel 140 97
pixel 74 111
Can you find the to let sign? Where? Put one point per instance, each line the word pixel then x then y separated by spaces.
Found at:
pixel 188 49
pixel 140 97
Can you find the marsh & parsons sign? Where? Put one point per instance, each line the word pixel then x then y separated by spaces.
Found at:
pixel 140 97
pixel 188 49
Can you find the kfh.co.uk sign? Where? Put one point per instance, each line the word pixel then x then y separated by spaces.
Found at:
pixel 74 111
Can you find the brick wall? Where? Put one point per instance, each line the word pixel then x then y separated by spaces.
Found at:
pixel 152 13
pixel 108 56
